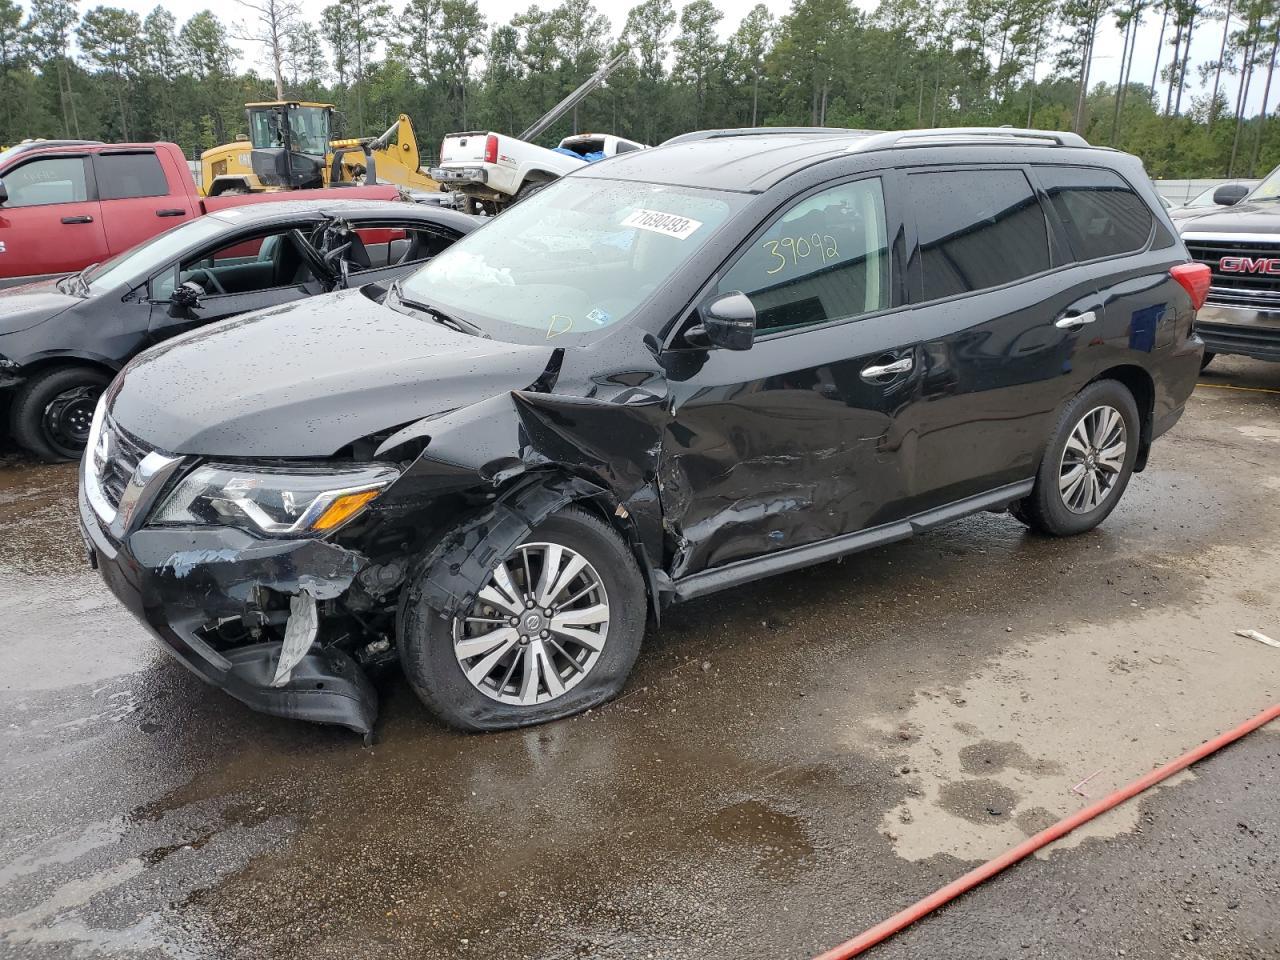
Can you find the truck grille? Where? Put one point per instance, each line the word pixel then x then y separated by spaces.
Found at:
pixel 1254 289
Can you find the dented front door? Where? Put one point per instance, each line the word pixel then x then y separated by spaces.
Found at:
pixel 802 437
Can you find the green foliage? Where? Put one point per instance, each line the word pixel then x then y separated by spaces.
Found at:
pixel 108 73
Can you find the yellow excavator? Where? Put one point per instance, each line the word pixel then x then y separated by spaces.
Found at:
pixel 289 147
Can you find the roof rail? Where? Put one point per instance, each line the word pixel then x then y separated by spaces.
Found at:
pixel 759 131
pixel 932 136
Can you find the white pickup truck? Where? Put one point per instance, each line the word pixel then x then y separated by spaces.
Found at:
pixel 493 169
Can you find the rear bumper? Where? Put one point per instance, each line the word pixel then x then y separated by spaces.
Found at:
pixel 1249 333
pixel 177 581
pixel 459 174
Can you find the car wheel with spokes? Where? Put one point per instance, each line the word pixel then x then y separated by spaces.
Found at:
pixel 554 630
pixel 1088 463
pixel 52 412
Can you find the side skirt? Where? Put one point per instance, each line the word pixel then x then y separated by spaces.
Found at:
pixel 756 568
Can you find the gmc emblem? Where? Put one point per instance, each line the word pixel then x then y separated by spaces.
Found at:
pixel 1249 265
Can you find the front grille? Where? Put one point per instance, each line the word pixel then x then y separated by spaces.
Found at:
pixel 1255 291
pixel 115 457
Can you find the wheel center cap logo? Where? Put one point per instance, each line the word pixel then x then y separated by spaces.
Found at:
pixel 533 623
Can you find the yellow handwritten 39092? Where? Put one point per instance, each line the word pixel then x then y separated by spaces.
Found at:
pixel 817 244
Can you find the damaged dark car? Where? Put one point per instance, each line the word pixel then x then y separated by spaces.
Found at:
pixel 62 340
pixel 677 371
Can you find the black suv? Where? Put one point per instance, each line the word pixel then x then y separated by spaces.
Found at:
pixel 676 371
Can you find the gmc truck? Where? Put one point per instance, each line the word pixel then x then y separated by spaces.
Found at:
pixel 66 204
pixel 1239 241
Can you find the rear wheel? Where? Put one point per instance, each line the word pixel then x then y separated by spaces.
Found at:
pixel 1088 463
pixel 52 411
pixel 553 631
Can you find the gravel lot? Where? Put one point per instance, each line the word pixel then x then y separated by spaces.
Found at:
pixel 791 762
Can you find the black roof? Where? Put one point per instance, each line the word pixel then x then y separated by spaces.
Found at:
pixel 752 160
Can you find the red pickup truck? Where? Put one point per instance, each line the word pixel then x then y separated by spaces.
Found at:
pixel 65 204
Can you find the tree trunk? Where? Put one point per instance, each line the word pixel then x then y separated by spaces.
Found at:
pixel 1155 70
pixel 1086 62
pixel 1182 76
pixel 1035 62
pixel 1173 69
pixel 920 103
pixel 1242 97
pixel 1266 95
pixel 755 96
pixel 1124 56
pixel 1217 72
pixel 1133 48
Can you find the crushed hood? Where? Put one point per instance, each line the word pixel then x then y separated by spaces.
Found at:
pixel 307 379
pixel 1259 216
pixel 21 308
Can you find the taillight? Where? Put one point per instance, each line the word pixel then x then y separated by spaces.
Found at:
pixel 1195 279
pixel 491 148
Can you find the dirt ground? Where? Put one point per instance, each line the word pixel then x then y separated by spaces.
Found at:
pixel 791 762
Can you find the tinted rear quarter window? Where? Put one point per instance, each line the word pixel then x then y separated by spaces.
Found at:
pixel 125 175
pixel 976 229
pixel 1102 215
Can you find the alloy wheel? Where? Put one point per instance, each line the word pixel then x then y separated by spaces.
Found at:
pixel 537 627
pixel 1093 459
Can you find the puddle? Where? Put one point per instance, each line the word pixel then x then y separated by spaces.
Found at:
pixel 995 759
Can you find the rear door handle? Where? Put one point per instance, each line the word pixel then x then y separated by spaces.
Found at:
pixel 81 219
pixel 170 213
pixel 875 372
pixel 1075 322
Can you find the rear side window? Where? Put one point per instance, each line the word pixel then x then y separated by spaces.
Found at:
pixel 125 175
pixel 977 229
pixel 1103 216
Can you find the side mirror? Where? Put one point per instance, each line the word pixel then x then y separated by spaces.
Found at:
pixel 185 300
pixel 1230 194
pixel 729 321
pixel 4 194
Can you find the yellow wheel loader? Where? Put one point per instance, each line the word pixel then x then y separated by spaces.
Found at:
pixel 289 147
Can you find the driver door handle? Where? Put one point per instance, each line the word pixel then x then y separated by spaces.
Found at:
pixel 874 373
pixel 170 213
pixel 81 219
pixel 1075 322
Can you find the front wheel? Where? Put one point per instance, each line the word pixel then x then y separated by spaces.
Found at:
pixel 1088 463
pixel 554 630
pixel 52 411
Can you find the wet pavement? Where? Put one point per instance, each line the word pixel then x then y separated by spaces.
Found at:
pixel 790 763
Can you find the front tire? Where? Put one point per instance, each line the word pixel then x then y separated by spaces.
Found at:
pixel 1207 359
pixel 554 631
pixel 1087 464
pixel 52 411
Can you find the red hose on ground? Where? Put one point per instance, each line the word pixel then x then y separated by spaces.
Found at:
pixel 904 918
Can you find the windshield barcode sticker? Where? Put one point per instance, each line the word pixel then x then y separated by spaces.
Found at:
pixel 657 221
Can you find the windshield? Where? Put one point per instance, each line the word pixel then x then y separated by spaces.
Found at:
pixel 310 127
pixel 1269 188
pixel 577 257
pixel 141 261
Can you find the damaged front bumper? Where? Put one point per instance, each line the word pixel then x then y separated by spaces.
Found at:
pixel 180 581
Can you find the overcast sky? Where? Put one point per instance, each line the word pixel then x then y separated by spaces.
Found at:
pixel 1106 63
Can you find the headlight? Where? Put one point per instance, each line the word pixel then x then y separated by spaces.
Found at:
pixel 286 502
